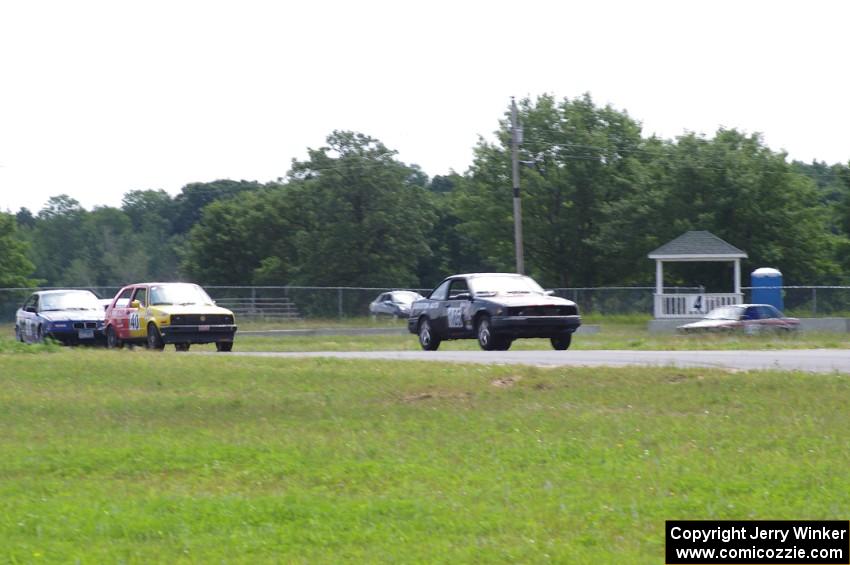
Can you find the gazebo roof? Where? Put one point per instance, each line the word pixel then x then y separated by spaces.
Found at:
pixel 697 246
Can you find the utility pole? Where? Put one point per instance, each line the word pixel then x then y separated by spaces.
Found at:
pixel 516 139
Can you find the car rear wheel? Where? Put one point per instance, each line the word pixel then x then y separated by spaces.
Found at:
pixel 112 341
pixel 427 339
pixel 561 342
pixel 154 339
pixel 223 346
pixel 181 346
pixel 18 335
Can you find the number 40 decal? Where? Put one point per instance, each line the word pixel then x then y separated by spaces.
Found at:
pixel 134 321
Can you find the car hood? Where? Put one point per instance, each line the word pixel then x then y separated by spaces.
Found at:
pixel 190 309
pixel 70 315
pixel 709 324
pixel 527 300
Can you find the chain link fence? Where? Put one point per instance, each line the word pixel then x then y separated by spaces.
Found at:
pixel 311 302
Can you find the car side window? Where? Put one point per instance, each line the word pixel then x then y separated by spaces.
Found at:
pixel 124 299
pixel 441 291
pixel 31 302
pixel 458 286
pixel 142 296
pixel 388 297
pixel 751 313
pixel 767 312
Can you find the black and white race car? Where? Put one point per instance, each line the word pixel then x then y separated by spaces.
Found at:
pixel 496 309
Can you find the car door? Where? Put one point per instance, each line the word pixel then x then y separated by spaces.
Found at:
pixel 457 308
pixel 387 304
pixel 436 309
pixel 771 318
pixel 27 318
pixel 137 319
pixel 751 320
pixel 119 317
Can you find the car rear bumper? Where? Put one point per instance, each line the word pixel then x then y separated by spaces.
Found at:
pixel 535 326
pixel 197 334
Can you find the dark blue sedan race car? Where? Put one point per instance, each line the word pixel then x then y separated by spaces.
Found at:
pixel 496 309
pixel 69 316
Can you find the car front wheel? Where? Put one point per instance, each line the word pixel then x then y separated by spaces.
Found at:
pixel 488 340
pixel 112 341
pixel 181 346
pixel 427 339
pixel 154 339
pixel 561 342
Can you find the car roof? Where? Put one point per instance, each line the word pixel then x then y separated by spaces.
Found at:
pixel 473 275
pixel 156 283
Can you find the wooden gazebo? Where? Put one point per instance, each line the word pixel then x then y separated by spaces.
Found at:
pixel 694 246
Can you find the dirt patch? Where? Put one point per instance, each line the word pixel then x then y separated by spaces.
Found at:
pixel 506 382
pixel 436 395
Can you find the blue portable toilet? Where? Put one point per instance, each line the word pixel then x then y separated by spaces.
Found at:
pixel 766 283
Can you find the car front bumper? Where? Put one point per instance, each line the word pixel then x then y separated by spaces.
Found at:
pixel 535 326
pixel 72 335
pixel 197 334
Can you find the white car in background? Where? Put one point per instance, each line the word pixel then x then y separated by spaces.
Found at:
pixel 396 303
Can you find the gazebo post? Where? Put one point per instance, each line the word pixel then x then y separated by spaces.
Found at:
pixel 737 276
pixel 659 276
pixel 659 287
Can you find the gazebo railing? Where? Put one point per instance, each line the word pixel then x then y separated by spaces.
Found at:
pixel 692 305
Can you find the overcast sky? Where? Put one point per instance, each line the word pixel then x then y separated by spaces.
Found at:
pixel 100 98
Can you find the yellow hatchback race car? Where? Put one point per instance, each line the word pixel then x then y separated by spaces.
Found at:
pixel 155 314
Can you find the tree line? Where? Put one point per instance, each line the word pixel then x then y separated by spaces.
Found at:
pixel 597 197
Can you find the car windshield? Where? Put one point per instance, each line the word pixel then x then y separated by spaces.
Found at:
pixel 406 297
pixel 72 300
pixel 179 293
pixel 491 285
pixel 725 313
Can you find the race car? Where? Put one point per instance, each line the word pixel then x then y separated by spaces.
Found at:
pixel 396 303
pixel 155 314
pixel 495 308
pixel 743 318
pixel 69 316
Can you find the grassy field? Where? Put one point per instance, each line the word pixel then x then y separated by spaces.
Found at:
pixel 139 457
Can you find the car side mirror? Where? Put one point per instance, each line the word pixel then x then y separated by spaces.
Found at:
pixel 135 304
pixel 549 292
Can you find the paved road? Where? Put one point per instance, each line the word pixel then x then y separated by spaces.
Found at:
pixel 811 360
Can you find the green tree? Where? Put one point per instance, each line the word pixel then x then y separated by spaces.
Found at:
pixel 58 238
pixel 192 199
pixel 740 190
pixel 364 215
pixel 152 215
pixel 15 268
pixel 577 158
pixel 245 241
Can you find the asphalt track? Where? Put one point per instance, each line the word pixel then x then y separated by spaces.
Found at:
pixel 808 360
